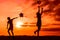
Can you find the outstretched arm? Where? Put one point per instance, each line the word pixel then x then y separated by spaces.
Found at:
pixel 14 18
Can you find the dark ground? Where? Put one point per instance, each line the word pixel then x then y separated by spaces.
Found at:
pixel 29 38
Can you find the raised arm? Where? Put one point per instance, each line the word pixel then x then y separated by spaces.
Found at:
pixel 42 11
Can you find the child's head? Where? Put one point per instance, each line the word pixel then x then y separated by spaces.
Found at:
pixel 8 18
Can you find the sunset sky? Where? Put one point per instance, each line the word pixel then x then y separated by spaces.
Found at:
pixel 12 8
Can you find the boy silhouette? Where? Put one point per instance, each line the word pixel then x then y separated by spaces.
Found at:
pixel 38 14
pixel 10 24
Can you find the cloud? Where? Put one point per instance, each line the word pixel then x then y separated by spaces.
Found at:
pixel 52 4
pixel 51 29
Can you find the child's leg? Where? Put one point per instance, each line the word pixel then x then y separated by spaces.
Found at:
pixel 9 32
pixel 12 33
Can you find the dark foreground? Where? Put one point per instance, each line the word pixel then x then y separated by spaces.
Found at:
pixel 29 38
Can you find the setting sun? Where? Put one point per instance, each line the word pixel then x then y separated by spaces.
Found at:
pixel 18 24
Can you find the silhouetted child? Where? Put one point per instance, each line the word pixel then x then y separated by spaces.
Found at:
pixel 10 24
pixel 38 22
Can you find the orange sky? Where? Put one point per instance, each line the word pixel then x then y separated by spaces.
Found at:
pixel 12 8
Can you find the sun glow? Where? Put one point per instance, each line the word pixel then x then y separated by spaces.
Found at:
pixel 19 24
